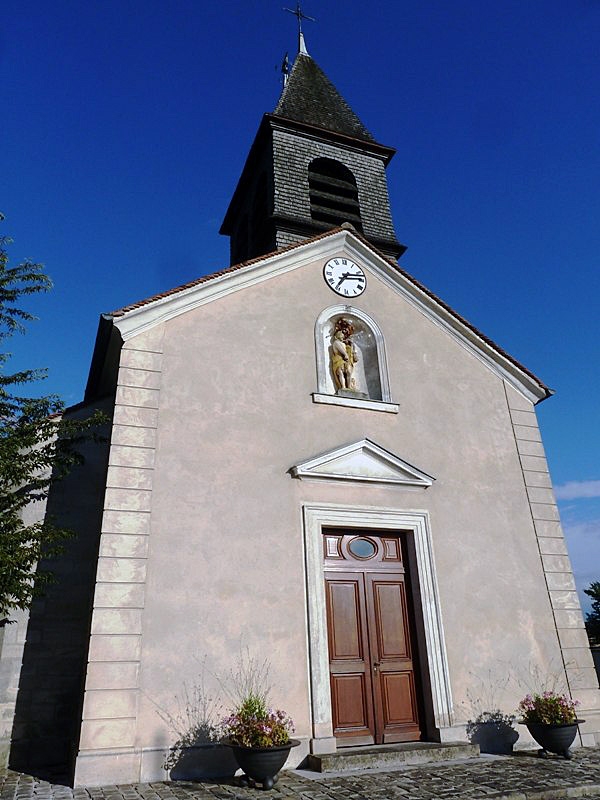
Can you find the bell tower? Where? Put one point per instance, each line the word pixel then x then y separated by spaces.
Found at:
pixel 313 166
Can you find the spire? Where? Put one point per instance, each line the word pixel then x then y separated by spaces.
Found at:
pixel 310 97
pixel 302 45
pixel 313 166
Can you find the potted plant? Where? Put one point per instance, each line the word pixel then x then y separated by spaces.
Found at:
pixel 260 739
pixel 493 731
pixel 551 719
pixel 258 735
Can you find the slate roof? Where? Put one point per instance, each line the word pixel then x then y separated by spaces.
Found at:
pixel 207 278
pixel 310 97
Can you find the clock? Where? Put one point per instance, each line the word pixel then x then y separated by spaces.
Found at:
pixel 345 277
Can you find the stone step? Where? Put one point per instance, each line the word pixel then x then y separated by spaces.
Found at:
pixel 390 755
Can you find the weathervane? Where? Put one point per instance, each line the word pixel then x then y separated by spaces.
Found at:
pixel 285 69
pixel 300 15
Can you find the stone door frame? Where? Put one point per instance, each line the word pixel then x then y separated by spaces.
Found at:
pixel 316 517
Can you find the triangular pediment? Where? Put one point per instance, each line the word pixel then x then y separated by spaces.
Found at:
pixel 146 314
pixel 362 461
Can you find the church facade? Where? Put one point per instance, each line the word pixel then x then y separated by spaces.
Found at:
pixel 314 457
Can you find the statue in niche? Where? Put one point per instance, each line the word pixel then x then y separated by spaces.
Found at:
pixel 344 356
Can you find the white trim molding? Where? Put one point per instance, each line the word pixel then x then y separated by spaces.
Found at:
pixel 352 402
pixel 362 461
pixel 315 519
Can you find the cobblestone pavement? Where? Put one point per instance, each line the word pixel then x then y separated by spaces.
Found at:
pixel 521 777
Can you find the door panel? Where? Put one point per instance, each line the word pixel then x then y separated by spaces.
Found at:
pixel 351 688
pixel 345 628
pixel 398 698
pixel 395 700
pixel 349 696
pixel 371 662
pixel 389 604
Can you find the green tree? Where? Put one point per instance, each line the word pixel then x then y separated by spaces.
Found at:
pixel 37 447
pixel 592 618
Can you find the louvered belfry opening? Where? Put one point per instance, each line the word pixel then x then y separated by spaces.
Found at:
pixel 333 193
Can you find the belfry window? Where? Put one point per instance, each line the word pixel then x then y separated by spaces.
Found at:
pixel 333 193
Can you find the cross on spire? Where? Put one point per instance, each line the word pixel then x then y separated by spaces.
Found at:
pixel 300 15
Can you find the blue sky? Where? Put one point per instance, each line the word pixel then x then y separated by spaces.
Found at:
pixel 125 125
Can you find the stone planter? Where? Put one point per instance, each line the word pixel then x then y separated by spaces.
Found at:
pixel 261 764
pixel 554 738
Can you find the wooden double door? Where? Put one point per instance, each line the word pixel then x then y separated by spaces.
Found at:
pixel 371 654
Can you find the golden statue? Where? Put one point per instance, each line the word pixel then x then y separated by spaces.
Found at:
pixel 343 355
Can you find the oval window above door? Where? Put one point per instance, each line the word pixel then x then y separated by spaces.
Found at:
pixel 362 548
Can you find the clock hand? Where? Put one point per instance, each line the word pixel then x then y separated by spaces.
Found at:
pixel 343 278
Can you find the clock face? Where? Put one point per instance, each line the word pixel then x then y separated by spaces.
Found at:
pixel 345 277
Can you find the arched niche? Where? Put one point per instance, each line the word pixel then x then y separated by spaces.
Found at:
pixel 371 369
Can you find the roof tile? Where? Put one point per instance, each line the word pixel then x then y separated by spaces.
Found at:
pixel 310 97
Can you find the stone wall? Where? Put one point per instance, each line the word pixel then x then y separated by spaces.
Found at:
pixel 577 659
pixel 109 714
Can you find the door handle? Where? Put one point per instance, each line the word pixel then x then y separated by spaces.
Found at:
pixel 376 665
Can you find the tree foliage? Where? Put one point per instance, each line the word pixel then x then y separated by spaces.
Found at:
pixel 37 447
pixel 592 618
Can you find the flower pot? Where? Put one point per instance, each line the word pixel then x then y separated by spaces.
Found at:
pixel 554 738
pixel 261 764
pixel 203 762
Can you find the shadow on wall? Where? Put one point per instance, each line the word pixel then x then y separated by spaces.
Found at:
pixel 47 720
pixel 596 657
pixel 496 736
pixel 204 762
